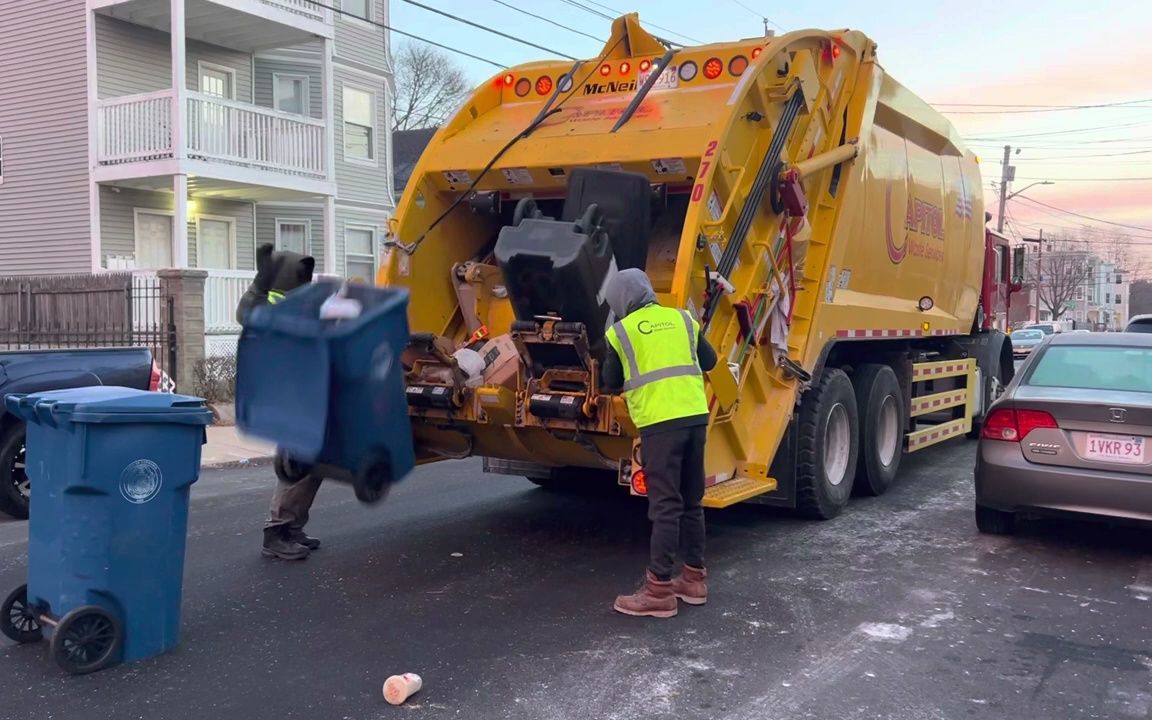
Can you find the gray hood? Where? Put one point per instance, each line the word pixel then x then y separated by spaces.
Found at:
pixel 628 291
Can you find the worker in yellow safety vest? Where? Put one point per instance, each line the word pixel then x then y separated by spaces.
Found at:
pixel 279 272
pixel 658 358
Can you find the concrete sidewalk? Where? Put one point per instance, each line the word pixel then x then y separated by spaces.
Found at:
pixel 226 447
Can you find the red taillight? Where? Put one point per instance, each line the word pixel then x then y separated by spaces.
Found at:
pixel 154 379
pixel 645 65
pixel 639 483
pixel 523 86
pixel 756 52
pixel 713 68
pixel 544 85
pixel 509 79
pixel 1010 425
pixel 605 69
pixel 625 68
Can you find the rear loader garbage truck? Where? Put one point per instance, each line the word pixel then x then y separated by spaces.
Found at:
pixel 824 224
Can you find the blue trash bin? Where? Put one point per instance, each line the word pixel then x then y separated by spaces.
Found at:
pixel 111 470
pixel 330 393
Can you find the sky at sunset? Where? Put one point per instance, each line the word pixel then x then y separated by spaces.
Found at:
pixel 1010 55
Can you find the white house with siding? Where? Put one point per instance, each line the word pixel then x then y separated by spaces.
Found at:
pixel 145 134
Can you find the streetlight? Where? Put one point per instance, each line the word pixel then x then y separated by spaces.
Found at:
pixel 1042 182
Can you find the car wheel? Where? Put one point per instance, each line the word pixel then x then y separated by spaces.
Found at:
pixel 994 522
pixel 15 488
pixel 828 444
pixel 882 420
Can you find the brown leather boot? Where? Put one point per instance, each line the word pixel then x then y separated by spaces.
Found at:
pixel 690 585
pixel 653 599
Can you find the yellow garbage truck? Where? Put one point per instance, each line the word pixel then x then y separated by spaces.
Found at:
pixel 824 224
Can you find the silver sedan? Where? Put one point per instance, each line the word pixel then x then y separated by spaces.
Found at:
pixel 1071 433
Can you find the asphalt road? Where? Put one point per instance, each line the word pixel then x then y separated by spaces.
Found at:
pixel 500 593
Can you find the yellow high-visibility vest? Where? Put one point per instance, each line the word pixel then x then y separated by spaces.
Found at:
pixel 662 376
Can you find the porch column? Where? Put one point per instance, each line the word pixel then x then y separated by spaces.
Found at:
pixel 330 235
pixel 180 221
pixel 179 82
pixel 328 87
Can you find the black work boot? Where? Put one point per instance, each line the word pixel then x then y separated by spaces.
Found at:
pixel 278 545
pixel 298 536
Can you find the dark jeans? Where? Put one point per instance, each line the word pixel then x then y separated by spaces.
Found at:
pixel 674 466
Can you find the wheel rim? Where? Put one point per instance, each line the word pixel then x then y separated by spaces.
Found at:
pixel 888 431
pixel 836 445
pixel 20 473
pixel 88 639
pixel 21 617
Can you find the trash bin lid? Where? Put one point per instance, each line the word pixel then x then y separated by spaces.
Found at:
pixel 105 404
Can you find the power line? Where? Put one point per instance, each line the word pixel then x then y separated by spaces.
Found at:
pixel 1095 128
pixel 1085 217
pixel 389 28
pixel 1088 179
pixel 618 13
pixel 547 20
pixel 485 28
pixel 1037 108
pixel 761 16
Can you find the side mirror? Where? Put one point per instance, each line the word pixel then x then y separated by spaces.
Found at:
pixel 1018 257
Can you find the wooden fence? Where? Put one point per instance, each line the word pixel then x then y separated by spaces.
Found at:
pixel 119 309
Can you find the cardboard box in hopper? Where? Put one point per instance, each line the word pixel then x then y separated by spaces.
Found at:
pixel 501 361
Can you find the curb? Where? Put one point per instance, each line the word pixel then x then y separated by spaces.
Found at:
pixel 244 463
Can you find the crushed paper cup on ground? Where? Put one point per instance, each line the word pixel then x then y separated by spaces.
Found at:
pixel 399 688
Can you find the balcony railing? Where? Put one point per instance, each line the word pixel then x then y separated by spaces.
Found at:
pixel 307 8
pixel 139 128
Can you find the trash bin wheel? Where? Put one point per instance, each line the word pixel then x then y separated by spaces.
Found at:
pixel 18 620
pixel 86 640
pixel 373 482
pixel 288 470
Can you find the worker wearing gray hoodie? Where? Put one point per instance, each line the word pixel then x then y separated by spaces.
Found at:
pixel 658 356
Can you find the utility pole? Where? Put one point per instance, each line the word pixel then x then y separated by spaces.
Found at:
pixel 1007 175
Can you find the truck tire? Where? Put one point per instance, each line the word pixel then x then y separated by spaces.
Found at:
pixel 828 439
pixel 882 421
pixel 15 490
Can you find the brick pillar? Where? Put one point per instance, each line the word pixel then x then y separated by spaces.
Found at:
pixel 185 290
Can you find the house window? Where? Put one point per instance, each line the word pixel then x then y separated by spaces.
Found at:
pixel 1119 279
pixel 292 235
pixel 215 243
pixel 290 93
pixel 359 125
pixel 1107 298
pixel 359 8
pixel 1118 300
pixel 360 254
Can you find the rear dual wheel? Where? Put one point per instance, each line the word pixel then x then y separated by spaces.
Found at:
pixel 883 418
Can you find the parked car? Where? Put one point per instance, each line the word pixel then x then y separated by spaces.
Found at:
pixel 1070 433
pixel 41 370
pixel 1139 324
pixel 1046 328
pixel 1025 341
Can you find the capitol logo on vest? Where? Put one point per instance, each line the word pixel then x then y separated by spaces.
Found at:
pixel 141 481
pixel 647 327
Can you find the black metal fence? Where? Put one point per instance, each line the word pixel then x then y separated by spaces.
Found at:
pixel 88 311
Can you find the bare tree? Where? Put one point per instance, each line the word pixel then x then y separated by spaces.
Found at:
pixel 1061 270
pixel 429 87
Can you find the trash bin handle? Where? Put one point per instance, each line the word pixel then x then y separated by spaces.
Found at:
pixel 46 411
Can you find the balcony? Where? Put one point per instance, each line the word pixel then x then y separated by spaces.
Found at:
pixel 222 138
pixel 244 25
